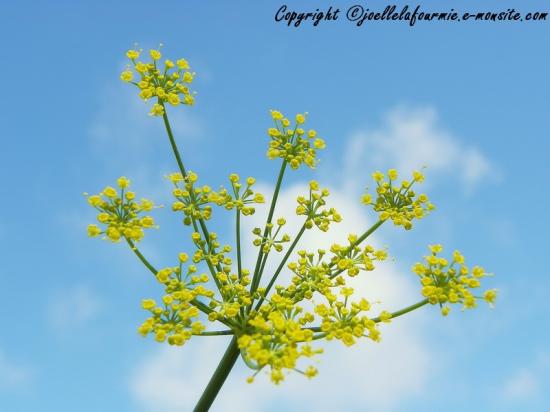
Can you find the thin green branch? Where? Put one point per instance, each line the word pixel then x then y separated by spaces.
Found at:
pixel 217 333
pixel 173 141
pixel 281 265
pixel 357 242
pixel 403 311
pixel 238 241
pixel 141 257
pixel 257 274
pixel 394 315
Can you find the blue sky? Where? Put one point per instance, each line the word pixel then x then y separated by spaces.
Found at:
pixel 468 100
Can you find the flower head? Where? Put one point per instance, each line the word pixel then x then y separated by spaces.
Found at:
pixel 169 84
pixel 293 145
pixel 119 214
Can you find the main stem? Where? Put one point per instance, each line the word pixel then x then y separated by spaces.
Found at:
pixel 218 378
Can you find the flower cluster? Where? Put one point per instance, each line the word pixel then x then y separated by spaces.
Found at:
pixel 240 199
pixel 346 322
pixel 312 208
pixel 293 144
pixel 271 240
pixel 445 282
pixel 352 258
pixel 398 203
pixel 310 275
pixel 120 214
pixel 168 84
pixel 208 250
pixel 192 201
pixel 277 339
pixel 176 319
pixel 235 295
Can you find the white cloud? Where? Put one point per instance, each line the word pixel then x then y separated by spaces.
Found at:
pixel 172 378
pixel 524 384
pixel 411 139
pixel 13 374
pixel 73 307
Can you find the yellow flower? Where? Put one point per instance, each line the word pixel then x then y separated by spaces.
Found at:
pixel 378 176
pixel 95 200
pixel 182 64
pixel 187 77
pixel 123 182
pixel 148 304
pixel 276 115
pixel 147 222
pixel 93 230
pixel 110 192
pixel 157 110
pixel 319 144
pixel 132 54
pixel 164 274
pixel 155 54
pixel 490 296
pixel 127 75
pixel 418 176
pixel 173 99
pixel 189 100
pixel 310 372
pixel 113 234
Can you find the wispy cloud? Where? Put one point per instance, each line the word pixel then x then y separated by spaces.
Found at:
pixel 411 138
pixel 527 383
pixel 171 378
pixel 13 374
pixel 72 307
pixel 524 384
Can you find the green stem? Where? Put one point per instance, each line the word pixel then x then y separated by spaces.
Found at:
pixel 357 242
pixel 141 257
pixel 218 378
pixel 281 265
pixel 403 311
pixel 173 142
pixel 395 314
pixel 367 233
pixel 238 235
pixel 217 333
pixel 257 274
